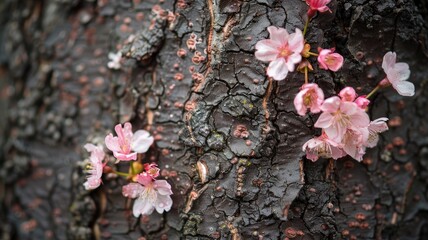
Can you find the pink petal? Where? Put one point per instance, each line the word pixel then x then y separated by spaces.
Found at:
pixel 296 41
pixel 336 62
pixel 335 132
pixel 125 157
pixel 163 203
pixel 389 61
pixel 292 60
pixel 360 119
pixel 331 104
pixel 298 102
pixel 277 69
pixel 267 50
pixel 112 143
pixel 378 125
pixel 324 120
pixel 141 141
pixel 279 35
pixel 142 206
pixel 145 179
pixel 162 187
pixel 92 183
pixel 132 190
pixel 90 147
pixel 127 131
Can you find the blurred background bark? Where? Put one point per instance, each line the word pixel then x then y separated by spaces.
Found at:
pixel 213 106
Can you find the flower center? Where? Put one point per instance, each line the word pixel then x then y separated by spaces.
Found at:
pixel 329 60
pixel 307 99
pixel 125 147
pixel 284 52
pixel 342 119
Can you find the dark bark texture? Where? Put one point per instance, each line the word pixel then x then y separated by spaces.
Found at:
pixel 212 108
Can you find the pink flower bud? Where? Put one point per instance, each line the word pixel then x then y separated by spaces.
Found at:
pixel 362 102
pixel 348 94
pixel 329 60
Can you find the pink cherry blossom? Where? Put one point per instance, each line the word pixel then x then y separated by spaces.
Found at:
pixel 310 96
pixel 348 94
pixel 362 102
pixel 150 195
pixel 354 142
pixel 282 50
pixel 317 5
pixel 322 146
pixel 152 169
pixel 95 167
pixel 329 60
pixel 340 115
pixel 127 144
pixel 397 74
pixel 376 126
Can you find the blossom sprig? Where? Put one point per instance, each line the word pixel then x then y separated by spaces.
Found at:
pixel 346 128
pixel 150 192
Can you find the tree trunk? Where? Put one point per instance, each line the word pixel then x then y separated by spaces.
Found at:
pixel 210 109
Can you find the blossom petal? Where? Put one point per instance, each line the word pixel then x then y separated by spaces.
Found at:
pixel 277 69
pixel 142 206
pixel 125 157
pixel 405 88
pixel 162 187
pixel 267 50
pixel 141 141
pixel 331 104
pixel 389 61
pixel 132 190
pixel 279 35
pixel 324 120
pixel 112 143
pixel 292 60
pixel 296 41
pixel 360 118
pixel 163 203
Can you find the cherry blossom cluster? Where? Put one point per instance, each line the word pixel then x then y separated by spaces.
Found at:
pixel 345 126
pixel 149 192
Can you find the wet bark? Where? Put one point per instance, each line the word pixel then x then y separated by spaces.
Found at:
pixel 211 107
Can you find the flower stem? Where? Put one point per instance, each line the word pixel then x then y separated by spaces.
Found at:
pixel 131 166
pixel 121 174
pixel 306 27
pixel 373 91
pixel 306 75
pixel 313 54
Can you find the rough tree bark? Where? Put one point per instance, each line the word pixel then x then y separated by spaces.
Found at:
pixel 57 93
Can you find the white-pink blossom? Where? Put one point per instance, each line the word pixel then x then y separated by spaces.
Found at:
pixel 397 74
pixel 376 126
pixel 340 115
pixel 317 5
pixel 150 195
pixel 322 146
pixel 282 50
pixel 330 60
pixel 127 144
pixel 310 96
pixel 115 59
pixel 95 166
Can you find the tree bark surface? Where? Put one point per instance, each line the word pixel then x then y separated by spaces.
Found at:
pixel 210 108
